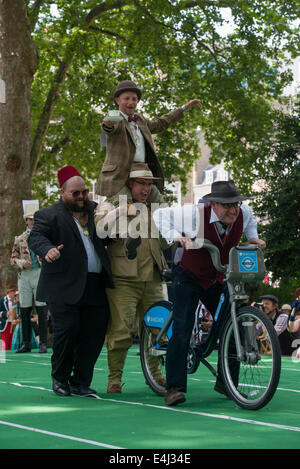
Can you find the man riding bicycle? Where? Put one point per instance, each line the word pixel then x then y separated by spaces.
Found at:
pixel 224 219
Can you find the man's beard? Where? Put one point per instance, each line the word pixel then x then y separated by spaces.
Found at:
pixel 73 207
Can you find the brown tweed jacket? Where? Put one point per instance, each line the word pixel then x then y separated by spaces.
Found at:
pixel 120 150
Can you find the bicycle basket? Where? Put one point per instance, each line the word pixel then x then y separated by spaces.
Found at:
pixel 246 263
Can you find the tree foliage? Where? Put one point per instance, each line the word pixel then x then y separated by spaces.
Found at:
pixel 278 201
pixel 175 51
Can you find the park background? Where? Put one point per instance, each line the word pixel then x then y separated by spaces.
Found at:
pixel 60 63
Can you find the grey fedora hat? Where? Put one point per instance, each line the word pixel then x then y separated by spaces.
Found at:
pixel 224 192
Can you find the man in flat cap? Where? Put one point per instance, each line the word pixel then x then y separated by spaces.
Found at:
pixel 75 272
pixel 129 139
pixel 224 218
pixel 280 321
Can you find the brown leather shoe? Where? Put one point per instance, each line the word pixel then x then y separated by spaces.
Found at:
pixel 114 389
pixel 173 397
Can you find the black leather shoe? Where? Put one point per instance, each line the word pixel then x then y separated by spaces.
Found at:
pixel 60 388
pixel 43 348
pixel 24 349
pixel 81 390
pixel 221 390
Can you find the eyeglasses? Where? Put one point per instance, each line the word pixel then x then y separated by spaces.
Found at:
pixel 233 205
pixel 145 184
pixel 77 193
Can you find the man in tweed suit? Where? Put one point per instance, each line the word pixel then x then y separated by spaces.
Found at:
pixel 130 140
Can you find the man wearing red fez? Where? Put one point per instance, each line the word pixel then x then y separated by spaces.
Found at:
pixel 75 272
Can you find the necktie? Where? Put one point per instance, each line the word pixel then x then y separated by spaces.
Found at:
pixel 132 118
pixel 223 235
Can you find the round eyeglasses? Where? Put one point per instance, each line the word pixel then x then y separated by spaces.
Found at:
pixel 233 205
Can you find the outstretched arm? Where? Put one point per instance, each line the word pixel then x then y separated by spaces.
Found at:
pixel 192 103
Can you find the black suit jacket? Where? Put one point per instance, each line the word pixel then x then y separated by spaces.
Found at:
pixel 64 281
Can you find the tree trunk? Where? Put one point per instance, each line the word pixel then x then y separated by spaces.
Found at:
pixel 18 63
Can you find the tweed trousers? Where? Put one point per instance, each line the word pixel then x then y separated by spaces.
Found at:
pixel 128 302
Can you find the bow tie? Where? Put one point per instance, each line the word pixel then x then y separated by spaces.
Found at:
pixel 133 118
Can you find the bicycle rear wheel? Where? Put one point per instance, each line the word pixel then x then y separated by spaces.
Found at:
pixel 255 384
pixel 152 360
pixel 153 355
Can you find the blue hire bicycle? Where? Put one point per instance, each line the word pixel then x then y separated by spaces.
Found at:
pixel 236 331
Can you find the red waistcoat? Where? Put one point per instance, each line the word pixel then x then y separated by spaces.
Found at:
pixel 198 261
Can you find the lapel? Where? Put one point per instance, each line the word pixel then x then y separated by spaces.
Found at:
pixel 91 225
pixel 6 303
pixel 128 129
pixel 143 128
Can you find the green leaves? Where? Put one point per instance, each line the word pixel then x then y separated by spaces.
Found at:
pixel 278 201
pixel 175 52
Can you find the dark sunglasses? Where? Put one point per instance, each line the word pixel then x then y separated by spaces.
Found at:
pixel 77 193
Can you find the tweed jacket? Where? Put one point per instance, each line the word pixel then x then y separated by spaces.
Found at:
pixel 149 254
pixel 20 251
pixel 120 151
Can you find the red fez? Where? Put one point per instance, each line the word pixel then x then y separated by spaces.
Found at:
pixel 66 173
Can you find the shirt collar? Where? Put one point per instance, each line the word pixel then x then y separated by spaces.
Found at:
pixel 124 115
pixel 220 226
pixel 213 216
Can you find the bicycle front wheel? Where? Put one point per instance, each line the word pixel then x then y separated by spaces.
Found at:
pixel 252 382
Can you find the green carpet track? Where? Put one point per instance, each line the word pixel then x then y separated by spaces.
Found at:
pixel 32 416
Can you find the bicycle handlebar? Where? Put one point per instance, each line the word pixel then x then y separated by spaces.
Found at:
pixel 215 253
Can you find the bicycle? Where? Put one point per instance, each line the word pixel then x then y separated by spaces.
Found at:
pixel 234 320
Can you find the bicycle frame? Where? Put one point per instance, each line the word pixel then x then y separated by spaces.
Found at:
pixel 219 321
pixel 243 264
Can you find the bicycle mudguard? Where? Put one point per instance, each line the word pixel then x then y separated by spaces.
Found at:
pixel 157 315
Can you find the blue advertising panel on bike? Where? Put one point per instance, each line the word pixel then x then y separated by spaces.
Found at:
pixel 248 261
pixel 157 316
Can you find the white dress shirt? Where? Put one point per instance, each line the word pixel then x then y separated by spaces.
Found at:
pixel 94 263
pixel 178 221
pixel 138 140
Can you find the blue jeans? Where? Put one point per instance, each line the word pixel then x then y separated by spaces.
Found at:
pixel 186 294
